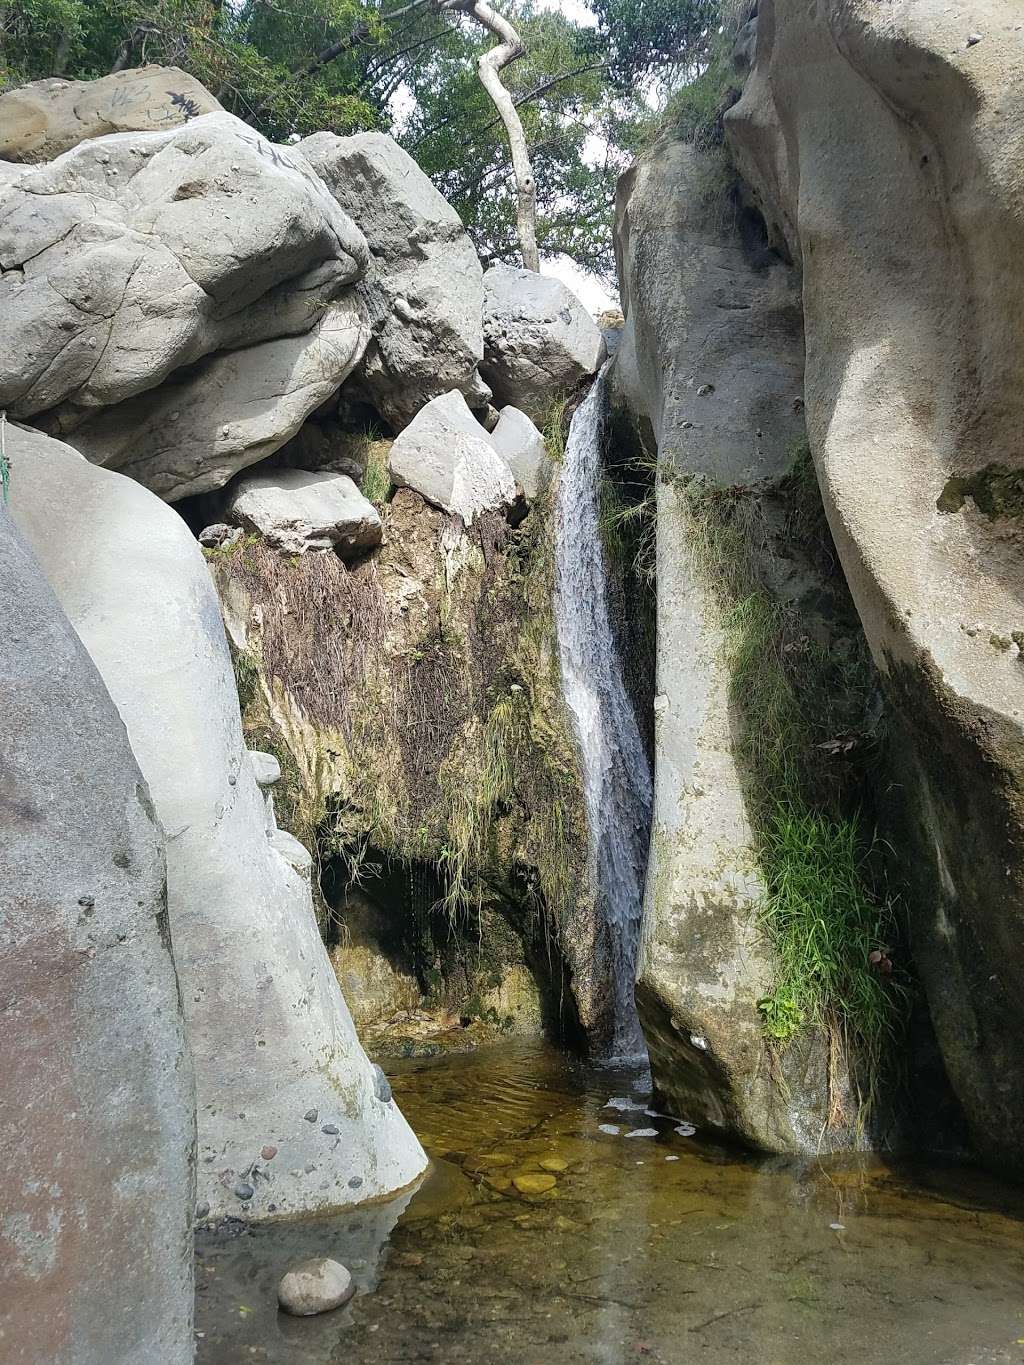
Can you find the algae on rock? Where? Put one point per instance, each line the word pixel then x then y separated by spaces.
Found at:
pixel 414 700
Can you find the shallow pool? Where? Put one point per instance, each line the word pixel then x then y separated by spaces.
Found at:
pixel 538 1238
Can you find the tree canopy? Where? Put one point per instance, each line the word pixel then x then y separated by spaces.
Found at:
pixel 291 67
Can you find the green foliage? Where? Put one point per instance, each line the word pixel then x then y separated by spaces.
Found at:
pixel 820 906
pixel 375 484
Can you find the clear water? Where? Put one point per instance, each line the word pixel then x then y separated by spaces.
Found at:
pixel 630 1256
pixel 616 773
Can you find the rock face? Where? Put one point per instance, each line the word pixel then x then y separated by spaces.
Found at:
pixel 133 255
pixel 271 1036
pixel 423 290
pixel 41 120
pixel 447 457
pixel 878 144
pixel 296 511
pixel 539 340
pixel 95 1234
pixel 711 359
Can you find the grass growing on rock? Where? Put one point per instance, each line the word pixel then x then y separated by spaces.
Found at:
pixel 804 737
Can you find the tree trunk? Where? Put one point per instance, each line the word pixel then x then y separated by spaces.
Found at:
pixel 489 67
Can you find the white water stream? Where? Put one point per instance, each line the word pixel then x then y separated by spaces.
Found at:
pixel 616 774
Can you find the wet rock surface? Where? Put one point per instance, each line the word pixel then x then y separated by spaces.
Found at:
pixel 315 1286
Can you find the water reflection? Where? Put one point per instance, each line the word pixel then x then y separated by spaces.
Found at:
pixel 643 1249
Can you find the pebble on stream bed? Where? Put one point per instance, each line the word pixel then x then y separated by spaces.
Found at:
pixel 315 1286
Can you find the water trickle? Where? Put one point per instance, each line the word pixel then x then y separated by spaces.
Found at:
pixel 617 777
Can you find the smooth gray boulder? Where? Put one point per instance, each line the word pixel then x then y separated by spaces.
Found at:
pixel 522 447
pixel 296 511
pixel 423 288
pixel 269 1030
pixel 235 409
pixel 447 457
pixel 135 254
pixel 97 1124
pixel 539 340
pixel 43 119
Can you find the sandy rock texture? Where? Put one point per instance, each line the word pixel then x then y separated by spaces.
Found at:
pixel 539 340
pixel 95 1205
pixel 886 152
pixel 423 288
pixel 41 120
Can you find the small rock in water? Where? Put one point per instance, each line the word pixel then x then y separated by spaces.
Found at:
pixel 553 1163
pixel 534 1182
pixel 643 1132
pixel 671 1158
pixel 838 1227
pixel 623 1105
pixel 315 1286
pixel 686 1130
pixel 612 1129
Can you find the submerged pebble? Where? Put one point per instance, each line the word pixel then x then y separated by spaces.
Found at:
pixel 624 1105
pixel 534 1182
pixel 612 1129
pixel 686 1130
pixel 315 1286
pixel 643 1132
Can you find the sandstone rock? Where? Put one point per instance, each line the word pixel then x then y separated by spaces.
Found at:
pixel 879 148
pixel 708 307
pixel 192 435
pixel 447 457
pixel 98 1120
pixel 315 1286
pixel 296 511
pixel 41 120
pixel 423 291
pixel 521 446
pixel 539 340
pixel 269 1030
pixel 135 254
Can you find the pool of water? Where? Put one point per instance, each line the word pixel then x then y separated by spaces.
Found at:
pixel 658 1248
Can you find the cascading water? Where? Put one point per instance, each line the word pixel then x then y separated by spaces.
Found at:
pixel 616 773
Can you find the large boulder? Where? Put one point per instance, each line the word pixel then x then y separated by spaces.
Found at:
pixel 195 432
pixel 135 254
pixel 41 120
pixel 522 447
pixel 880 143
pixel 98 1125
pixel 296 511
pixel 423 290
pixel 277 1061
pixel 710 362
pixel 447 457
pixel 539 340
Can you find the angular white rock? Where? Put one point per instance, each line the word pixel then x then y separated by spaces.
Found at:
pixel 295 511
pixel 522 447
pixel 539 339
pixel 271 1036
pixel 447 457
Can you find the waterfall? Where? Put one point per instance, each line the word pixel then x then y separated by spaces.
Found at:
pixel 616 774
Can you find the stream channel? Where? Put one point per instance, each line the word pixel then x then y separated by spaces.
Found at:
pixel 665 1248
